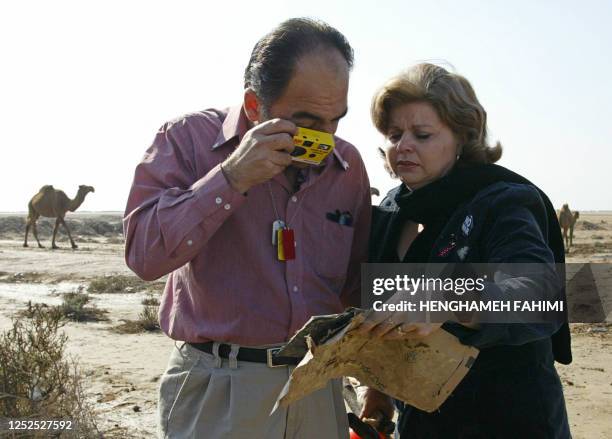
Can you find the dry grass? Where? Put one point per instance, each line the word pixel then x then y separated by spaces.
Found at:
pixel 37 381
pixel 150 301
pixel 122 284
pixel 73 308
pixel 32 277
pixel 147 322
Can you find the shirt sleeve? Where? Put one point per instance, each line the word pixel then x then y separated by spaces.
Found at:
pixel 171 213
pixel 351 292
pixel 515 237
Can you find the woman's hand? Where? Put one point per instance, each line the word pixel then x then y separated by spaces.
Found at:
pixel 376 405
pixel 397 325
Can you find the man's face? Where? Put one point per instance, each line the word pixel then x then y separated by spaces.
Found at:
pixel 316 96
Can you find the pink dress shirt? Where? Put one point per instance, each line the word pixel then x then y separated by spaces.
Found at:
pixel 225 282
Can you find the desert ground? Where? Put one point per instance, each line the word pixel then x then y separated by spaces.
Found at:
pixel 122 370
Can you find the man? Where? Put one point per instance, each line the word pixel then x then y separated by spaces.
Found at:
pixel 202 208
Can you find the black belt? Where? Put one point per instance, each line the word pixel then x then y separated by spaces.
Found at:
pixel 267 356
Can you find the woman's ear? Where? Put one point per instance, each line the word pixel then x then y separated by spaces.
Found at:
pixel 252 106
pixel 459 150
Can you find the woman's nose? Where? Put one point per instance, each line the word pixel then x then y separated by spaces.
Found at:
pixel 406 143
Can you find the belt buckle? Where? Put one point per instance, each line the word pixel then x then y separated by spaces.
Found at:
pixel 269 353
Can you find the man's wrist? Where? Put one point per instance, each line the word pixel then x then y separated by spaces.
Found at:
pixel 226 169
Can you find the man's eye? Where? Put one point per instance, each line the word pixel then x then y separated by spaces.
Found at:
pixel 304 123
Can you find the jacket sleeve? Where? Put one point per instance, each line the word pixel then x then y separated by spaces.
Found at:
pixel 517 235
pixel 171 213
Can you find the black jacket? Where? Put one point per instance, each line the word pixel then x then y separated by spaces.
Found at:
pixel 509 224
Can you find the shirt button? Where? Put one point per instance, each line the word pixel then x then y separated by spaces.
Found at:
pixel 227 207
pixel 218 200
pixel 294 199
pixel 295 289
pixel 190 242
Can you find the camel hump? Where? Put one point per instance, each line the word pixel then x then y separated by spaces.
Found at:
pixel 46 188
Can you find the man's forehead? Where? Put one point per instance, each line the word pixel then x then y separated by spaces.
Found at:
pixel 323 58
pixel 317 92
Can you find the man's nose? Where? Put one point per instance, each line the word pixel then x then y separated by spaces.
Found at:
pixel 327 127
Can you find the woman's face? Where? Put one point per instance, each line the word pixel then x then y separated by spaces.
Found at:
pixel 421 148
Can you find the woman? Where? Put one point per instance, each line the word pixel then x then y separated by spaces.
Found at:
pixel 455 205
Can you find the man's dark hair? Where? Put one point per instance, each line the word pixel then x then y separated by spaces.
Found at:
pixel 274 56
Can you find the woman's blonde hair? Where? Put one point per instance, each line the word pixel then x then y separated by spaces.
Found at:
pixel 454 100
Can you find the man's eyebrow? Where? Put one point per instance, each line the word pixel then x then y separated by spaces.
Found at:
pixel 307 115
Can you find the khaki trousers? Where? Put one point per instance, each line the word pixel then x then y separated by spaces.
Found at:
pixel 203 396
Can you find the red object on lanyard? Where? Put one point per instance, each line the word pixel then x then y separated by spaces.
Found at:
pixel 353 435
pixel 288 243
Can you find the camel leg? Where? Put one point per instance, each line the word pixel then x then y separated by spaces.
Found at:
pixel 74 246
pixel 25 242
pixel 35 232
pixel 57 221
pixel 571 236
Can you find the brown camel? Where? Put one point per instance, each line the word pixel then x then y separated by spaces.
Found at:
pixel 53 203
pixel 567 220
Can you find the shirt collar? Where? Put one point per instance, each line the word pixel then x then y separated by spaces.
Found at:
pixel 236 125
pixel 343 163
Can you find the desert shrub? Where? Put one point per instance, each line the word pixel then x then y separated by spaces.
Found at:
pixel 73 308
pixel 18 278
pixel 150 300
pixel 148 318
pixel 147 321
pixel 111 284
pixel 121 284
pixel 37 381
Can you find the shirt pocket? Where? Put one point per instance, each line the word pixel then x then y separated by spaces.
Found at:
pixel 334 250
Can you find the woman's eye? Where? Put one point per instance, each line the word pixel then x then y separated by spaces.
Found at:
pixel 394 138
pixel 423 136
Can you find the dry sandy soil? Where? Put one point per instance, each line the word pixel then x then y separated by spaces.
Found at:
pixel 122 370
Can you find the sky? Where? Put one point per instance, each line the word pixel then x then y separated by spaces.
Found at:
pixel 84 86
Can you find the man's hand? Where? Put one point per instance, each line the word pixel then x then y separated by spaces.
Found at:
pixel 376 405
pixel 262 154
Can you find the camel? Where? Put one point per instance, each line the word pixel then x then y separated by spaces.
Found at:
pixel 53 203
pixel 567 220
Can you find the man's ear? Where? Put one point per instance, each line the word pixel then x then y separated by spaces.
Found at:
pixel 252 106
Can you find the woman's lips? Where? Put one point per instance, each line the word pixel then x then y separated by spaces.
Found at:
pixel 407 164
